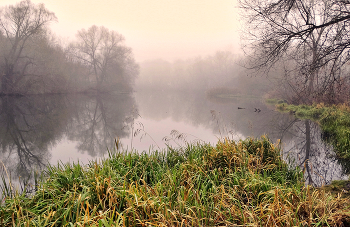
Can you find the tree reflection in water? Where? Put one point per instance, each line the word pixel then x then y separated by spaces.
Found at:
pixel 301 139
pixel 306 149
pixel 98 120
pixel 31 126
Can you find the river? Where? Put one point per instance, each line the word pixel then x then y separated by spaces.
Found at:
pixel 39 130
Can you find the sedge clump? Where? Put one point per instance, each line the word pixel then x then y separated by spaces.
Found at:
pixel 242 182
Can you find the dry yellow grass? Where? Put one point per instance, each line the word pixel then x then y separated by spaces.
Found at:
pixel 243 183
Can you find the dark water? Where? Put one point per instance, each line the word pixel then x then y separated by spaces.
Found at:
pixel 37 130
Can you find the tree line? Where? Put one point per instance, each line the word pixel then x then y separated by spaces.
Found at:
pixel 297 50
pixel 32 60
pixel 304 43
pixel 201 73
pixel 218 73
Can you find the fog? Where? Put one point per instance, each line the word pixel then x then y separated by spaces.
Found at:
pixel 154 29
pixel 98 73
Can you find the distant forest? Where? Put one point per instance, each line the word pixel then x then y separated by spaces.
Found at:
pixel 295 50
pixel 33 60
pixel 220 73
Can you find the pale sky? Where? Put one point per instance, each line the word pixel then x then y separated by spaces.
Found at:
pixel 167 29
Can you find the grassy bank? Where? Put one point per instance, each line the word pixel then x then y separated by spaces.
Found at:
pixel 334 121
pixel 244 183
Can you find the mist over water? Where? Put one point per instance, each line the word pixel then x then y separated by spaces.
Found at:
pixel 51 129
pixel 74 102
pixel 200 100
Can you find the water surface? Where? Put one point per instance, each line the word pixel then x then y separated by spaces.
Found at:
pixel 37 130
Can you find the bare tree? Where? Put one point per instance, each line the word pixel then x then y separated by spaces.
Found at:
pixel 19 25
pixel 311 37
pixel 109 61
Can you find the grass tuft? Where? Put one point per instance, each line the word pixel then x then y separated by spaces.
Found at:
pixel 243 183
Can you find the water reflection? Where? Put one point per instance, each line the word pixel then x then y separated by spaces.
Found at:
pixel 98 120
pixel 239 118
pixel 29 127
pixel 222 117
pixel 305 149
pixel 32 128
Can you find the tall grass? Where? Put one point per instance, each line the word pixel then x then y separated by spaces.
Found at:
pixel 244 183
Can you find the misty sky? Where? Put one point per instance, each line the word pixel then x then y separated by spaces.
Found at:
pixel 168 29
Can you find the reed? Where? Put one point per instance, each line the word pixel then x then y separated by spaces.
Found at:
pixel 244 183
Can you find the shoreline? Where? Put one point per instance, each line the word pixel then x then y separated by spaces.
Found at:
pixel 233 182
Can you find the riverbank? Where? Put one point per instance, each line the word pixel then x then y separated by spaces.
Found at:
pixel 244 182
pixel 334 121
